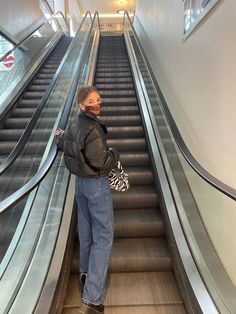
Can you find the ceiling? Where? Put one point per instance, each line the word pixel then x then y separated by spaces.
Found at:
pixel 106 7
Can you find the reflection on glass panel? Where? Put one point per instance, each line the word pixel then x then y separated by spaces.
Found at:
pixel 195 10
pixel 7 63
pixel 187 22
pixel 204 3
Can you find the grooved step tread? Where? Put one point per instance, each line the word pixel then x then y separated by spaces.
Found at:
pixel 135 197
pixel 154 288
pixel 141 222
pixel 148 309
pixel 140 254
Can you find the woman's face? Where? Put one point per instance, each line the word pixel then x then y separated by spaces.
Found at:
pixel 92 104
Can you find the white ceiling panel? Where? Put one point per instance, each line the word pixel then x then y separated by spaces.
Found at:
pixel 107 6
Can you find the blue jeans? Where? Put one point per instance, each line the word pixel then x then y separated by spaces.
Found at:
pixel 96 232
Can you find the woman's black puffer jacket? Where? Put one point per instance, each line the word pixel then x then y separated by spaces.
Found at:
pixel 85 149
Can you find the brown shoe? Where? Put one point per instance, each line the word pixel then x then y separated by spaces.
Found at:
pixel 91 309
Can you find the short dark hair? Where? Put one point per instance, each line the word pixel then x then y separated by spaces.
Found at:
pixel 83 93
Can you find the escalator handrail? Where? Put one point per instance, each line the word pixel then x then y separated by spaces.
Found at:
pixel 35 30
pixel 29 128
pixel 195 165
pixel 47 164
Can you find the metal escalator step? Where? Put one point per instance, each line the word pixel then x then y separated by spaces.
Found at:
pixel 106 101
pixel 121 120
pixel 140 254
pixel 24 161
pixel 103 87
pixel 21 123
pixel 10 134
pixel 125 131
pixel 44 76
pixel 33 95
pixel 51 66
pixel 31 148
pixel 113 74
pixel 38 88
pixel 41 81
pixel 28 112
pixel 28 102
pixel 118 93
pixel 127 144
pixel 142 288
pixel 113 80
pixel 144 309
pixel 134 158
pixel 120 110
pixel 132 223
pixel 48 71
pixel 136 197
pixel 23 112
pixel 113 63
pixel 112 69
pixel 140 176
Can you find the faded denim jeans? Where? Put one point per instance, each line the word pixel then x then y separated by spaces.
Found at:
pixel 96 232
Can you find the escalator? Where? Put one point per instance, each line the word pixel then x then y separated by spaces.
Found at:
pixel 141 277
pixel 12 128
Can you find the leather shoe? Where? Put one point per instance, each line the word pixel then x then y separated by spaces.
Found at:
pixel 91 309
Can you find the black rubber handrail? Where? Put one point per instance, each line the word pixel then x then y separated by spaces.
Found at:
pixel 195 165
pixel 30 126
pixel 29 35
pixel 45 167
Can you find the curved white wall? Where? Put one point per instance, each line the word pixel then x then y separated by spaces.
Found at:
pixel 197 78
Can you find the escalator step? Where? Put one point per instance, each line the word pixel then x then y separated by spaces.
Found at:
pixel 109 87
pixel 134 158
pixel 125 131
pixel 38 88
pixel 113 80
pixel 119 110
pixel 136 197
pixel 113 74
pixel 112 69
pixel 118 93
pixel 33 95
pixel 119 101
pixel 121 120
pixel 131 223
pixel 138 176
pixel 145 309
pixel 142 288
pixel 125 144
pixel 140 254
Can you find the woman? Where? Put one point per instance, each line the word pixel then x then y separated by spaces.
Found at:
pixel 87 156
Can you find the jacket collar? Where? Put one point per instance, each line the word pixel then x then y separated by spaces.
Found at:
pixel 90 116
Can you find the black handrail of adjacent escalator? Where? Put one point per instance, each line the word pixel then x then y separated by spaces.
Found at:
pixel 196 166
pixel 44 169
pixel 29 128
pixel 35 30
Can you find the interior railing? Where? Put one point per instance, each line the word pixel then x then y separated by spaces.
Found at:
pixel 28 256
pixel 194 190
pixel 24 55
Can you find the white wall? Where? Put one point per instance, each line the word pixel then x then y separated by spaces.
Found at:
pixel 20 17
pixel 197 78
pixel 73 15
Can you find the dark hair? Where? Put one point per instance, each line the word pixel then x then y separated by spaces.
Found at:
pixel 83 93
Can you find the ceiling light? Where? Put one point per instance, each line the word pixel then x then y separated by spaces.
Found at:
pixel 121 11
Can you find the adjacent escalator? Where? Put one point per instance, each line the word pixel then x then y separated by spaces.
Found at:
pixel 141 277
pixel 11 129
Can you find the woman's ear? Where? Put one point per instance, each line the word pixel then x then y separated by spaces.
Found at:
pixel 82 107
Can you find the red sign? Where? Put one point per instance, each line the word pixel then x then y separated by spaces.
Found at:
pixel 8 62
